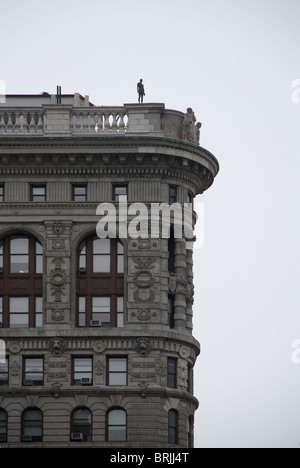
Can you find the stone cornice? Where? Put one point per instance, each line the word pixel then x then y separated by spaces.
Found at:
pixel 109 145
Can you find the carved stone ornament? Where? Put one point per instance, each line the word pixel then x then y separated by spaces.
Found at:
pixel 58 228
pixel 98 347
pixel 14 347
pixel 184 352
pixel 57 346
pixel 56 390
pixel 143 346
pixel 57 315
pixel 144 387
pixel 15 369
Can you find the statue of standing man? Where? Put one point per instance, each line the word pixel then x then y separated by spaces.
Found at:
pixel 141 91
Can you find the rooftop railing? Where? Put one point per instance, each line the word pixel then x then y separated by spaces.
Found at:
pixel 67 120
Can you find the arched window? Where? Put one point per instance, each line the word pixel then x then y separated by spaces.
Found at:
pixel 32 425
pixel 100 283
pixel 116 425
pixel 3 426
pixel 173 427
pixel 21 282
pixel 81 425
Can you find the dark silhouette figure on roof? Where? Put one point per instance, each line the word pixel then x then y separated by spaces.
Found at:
pixel 141 91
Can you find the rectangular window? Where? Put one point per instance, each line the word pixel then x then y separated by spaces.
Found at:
pixel 119 191
pixel 83 371
pixel 82 311
pixel 101 255
pixel 79 193
pixel 1 312
pixel 4 373
pixel 120 254
pixel 38 258
pixel 117 371
pixel 173 427
pixel 34 371
pixel 2 193
pixel 38 193
pixel 171 312
pixel 120 312
pixel 19 312
pixel 39 317
pixel 101 311
pixel 173 195
pixel 172 373
pixel 19 255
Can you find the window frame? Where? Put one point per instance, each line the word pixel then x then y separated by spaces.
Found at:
pixel 74 371
pixel 92 285
pixel 20 284
pixel 173 198
pixel 74 195
pixel 115 196
pixel 75 428
pixel 40 383
pixel 41 426
pixel 172 375
pixel 172 428
pixel 41 198
pixel 109 372
pixel 5 381
pixel 2 193
pixel 108 426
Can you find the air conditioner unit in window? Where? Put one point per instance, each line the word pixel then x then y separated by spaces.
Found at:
pixel 1 271
pixel 1 325
pixel 77 436
pixel 82 271
pixel 86 381
pixel 3 438
pixel 27 439
pixel 96 323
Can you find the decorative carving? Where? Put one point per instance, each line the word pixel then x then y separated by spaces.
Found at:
pixel 143 346
pixel 144 315
pixel 14 347
pixel 58 228
pixel 56 390
pixel 58 244
pixel 184 352
pixel 58 279
pixel 144 387
pixel 143 279
pixel 98 347
pixel 57 346
pixel 58 315
pixel 182 374
pixel 182 285
pixel 99 368
pixel 15 369
pixel 144 263
pixel 190 131
pixel 146 295
pixel 142 244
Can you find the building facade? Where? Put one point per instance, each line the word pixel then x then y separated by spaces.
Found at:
pixel 97 332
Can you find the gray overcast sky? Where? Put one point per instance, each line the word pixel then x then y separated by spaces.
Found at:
pixel 234 62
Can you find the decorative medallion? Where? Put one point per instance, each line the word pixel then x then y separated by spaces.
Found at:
pixel 98 347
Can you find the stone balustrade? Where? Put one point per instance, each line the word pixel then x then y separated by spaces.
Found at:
pixel 66 120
